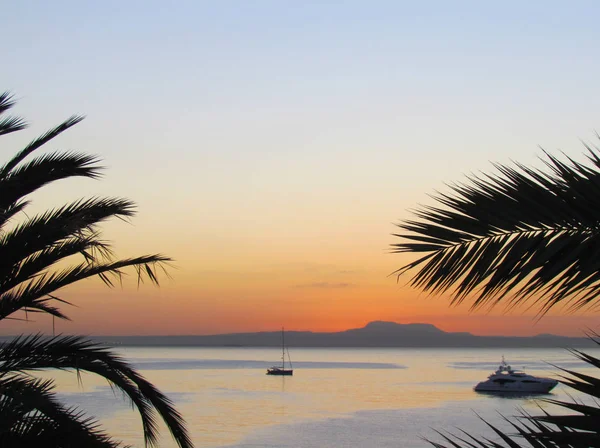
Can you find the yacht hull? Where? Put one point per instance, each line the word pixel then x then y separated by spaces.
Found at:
pixel 543 387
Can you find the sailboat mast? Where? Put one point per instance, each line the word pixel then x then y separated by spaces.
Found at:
pixel 282 349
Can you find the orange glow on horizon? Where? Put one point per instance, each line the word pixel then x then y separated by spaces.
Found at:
pixel 311 279
pixel 174 309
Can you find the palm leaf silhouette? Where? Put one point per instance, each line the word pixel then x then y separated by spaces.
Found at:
pixel 31 250
pixel 521 235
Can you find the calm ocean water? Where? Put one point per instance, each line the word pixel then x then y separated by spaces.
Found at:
pixel 336 398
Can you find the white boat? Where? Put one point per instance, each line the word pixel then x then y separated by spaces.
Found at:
pixel 281 370
pixel 505 379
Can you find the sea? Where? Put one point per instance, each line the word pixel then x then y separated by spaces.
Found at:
pixel 337 397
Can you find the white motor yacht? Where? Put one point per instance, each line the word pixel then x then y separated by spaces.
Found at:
pixel 505 379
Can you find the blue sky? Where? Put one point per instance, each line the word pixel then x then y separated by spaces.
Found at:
pixel 395 76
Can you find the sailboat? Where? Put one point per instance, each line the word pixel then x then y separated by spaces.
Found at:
pixel 276 370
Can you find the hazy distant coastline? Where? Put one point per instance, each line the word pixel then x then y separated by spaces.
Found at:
pixel 374 334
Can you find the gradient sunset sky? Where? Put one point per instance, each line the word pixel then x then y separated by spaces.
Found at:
pixel 271 146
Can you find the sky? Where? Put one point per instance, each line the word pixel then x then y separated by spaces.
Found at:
pixel 271 146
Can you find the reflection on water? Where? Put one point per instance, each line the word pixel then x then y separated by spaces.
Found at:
pixel 186 364
pixel 514 395
pixel 228 400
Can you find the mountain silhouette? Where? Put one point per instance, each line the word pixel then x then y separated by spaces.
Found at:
pixel 374 334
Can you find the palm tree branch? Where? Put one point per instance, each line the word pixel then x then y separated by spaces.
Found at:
pixel 523 231
pixel 42 231
pixel 11 210
pixel 35 400
pixel 7 101
pixel 43 170
pixel 11 124
pixel 33 266
pixel 72 352
pixel 35 292
pixel 38 142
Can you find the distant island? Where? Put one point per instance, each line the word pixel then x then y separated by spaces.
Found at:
pixel 374 334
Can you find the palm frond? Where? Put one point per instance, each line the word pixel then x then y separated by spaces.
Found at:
pixel 64 222
pixel 520 233
pixel 29 279
pixel 72 352
pixel 45 169
pixel 38 292
pixel 30 415
pixel 11 124
pixel 38 142
pixel 7 101
pixel 11 210
pixel 75 220
pixel 33 266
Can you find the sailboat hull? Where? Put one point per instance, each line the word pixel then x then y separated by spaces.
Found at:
pixel 279 371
